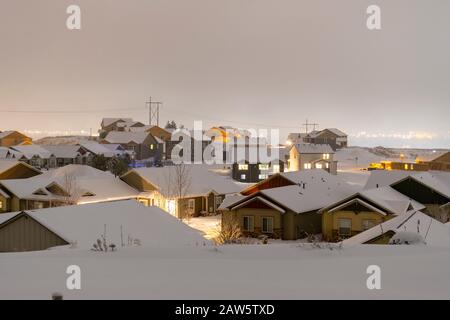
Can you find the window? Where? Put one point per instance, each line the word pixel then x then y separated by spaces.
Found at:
pixel 243 177
pixel 263 167
pixel 406 166
pixel 152 146
pixel 326 156
pixel 276 168
pixel 411 167
pixel 263 176
pixel 1 205
pixel 367 224
pixel 243 167
pixel 191 205
pixel 267 224
pixel 319 166
pixel 248 223
pixel 345 227
pixel 307 166
pixel 327 165
pixel 219 201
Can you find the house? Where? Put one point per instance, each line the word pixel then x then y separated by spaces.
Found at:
pixel 34 155
pixel 255 172
pixel 395 165
pixel 13 138
pixel 431 188
pixel 414 222
pixel 226 133
pixel 123 223
pixel 13 169
pixel 72 184
pixel 286 205
pixel 362 211
pixel 117 124
pixel 308 156
pixel 441 162
pixel 68 154
pixel 142 145
pixel 331 136
pixel 183 190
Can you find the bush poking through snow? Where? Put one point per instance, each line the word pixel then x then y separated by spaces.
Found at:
pixel 408 238
pixel 231 233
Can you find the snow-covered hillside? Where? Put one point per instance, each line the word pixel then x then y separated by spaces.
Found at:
pixel 277 271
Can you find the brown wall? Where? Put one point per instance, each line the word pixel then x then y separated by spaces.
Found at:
pixel 25 234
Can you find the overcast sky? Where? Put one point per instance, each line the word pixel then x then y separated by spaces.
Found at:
pixel 251 63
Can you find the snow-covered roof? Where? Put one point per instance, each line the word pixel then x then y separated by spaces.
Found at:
pixel 123 137
pixel 64 151
pixel 6 164
pixel 84 224
pixel 140 129
pixel 433 231
pixel 3 152
pixel 30 151
pixel 390 200
pixel 87 184
pixel 335 131
pixel 430 156
pixel 97 148
pixel 436 180
pixel 108 121
pixel 314 190
pixel 200 180
pixel 4 134
pixel 310 148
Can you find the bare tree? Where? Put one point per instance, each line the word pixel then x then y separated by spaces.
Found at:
pixel 72 192
pixel 180 184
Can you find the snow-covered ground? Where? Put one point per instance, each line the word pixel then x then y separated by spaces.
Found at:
pixel 277 271
pixel 206 225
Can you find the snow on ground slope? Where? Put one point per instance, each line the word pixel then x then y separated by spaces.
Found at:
pixel 230 272
pixel 208 226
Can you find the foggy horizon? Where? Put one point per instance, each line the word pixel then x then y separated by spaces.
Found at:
pixel 249 64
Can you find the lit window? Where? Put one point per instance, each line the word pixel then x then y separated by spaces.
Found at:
pixel 243 167
pixel 263 167
pixel 152 146
pixel 1 205
pixel 368 224
pixel 326 156
pixel 319 166
pixel 248 223
pixel 307 166
pixel 327 165
pixel 406 167
pixel 263 176
pixel 243 177
pixel 172 207
pixel 267 224
pixel 345 227
pixel 412 167
pixel 276 168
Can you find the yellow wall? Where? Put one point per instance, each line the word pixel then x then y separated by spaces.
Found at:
pixel 330 222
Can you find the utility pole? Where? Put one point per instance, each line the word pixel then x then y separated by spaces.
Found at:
pixel 307 125
pixel 153 111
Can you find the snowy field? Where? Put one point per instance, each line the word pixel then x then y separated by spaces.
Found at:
pixel 277 271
